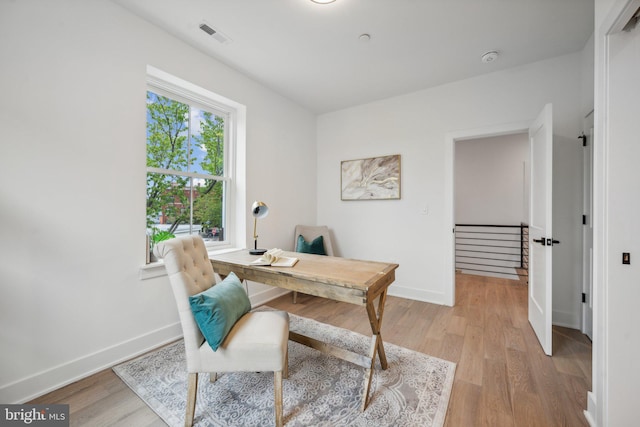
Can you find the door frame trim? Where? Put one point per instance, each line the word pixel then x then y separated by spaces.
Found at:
pixel 618 14
pixel 588 208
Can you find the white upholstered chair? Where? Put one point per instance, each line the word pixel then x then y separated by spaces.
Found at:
pixel 256 343
pixel 309 233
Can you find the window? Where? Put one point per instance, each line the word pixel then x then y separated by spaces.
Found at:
pixel 189 162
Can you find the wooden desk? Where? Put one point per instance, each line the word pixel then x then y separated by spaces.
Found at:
pixel 357 282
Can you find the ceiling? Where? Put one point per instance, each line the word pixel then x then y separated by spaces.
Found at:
pixel 312 53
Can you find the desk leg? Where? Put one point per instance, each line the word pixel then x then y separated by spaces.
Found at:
pixel 375 319
pixel 376 347
pixel 368 372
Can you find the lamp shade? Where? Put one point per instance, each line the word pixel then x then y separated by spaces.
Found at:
pixel 259 210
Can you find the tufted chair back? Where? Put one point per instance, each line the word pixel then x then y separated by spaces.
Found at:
pixel 190 272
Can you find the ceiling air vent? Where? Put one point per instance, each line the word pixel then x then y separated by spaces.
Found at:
pixel 214 33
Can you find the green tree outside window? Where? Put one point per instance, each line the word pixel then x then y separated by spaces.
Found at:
pixel 183 140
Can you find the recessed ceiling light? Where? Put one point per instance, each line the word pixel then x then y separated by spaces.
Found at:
pixel 323 1
pixel 490 56
pixel 364 37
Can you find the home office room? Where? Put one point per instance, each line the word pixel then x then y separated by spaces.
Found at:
pixel 159 158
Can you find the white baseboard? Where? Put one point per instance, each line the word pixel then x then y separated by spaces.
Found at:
pixel 590 413
pixel 417 294
pixel 43 382
pixel 566 319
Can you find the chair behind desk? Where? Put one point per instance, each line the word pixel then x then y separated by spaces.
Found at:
pixel 309 233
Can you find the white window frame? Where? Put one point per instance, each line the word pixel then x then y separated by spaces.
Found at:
pixel 166 84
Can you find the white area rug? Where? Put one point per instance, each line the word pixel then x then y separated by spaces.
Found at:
pixel 321 390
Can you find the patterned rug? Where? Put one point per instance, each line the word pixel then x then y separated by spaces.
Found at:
pixel 321 390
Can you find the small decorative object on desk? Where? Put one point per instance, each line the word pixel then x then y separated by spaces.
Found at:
pixel 274 258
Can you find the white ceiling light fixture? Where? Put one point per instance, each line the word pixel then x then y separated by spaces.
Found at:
pixel 490 56
pixel 323 1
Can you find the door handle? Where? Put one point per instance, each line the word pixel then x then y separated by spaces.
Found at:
pixel 542 241
pixel 546 242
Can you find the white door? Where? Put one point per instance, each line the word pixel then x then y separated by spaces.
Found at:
pixel 587 230
pixel 540 229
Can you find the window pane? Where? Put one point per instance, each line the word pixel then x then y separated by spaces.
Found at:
pixel 207 142
pixel 168 206
pixel 167 133
pixel 208 209
pixel 168 203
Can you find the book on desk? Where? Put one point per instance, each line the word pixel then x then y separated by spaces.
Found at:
pixel 274 258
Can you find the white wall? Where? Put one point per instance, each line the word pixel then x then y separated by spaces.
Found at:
pixel 491 180
pixel 72 185
pixel 416 126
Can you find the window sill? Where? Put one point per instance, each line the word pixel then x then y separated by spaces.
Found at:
pixel 156 269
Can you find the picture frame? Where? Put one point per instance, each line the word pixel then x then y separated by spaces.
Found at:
pixel 373 178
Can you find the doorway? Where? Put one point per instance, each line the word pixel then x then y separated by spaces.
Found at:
pixel 492 206
pixel 566 237
pixel 452 139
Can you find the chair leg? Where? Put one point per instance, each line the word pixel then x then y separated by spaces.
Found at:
pixel 213 376
pixel 295 297
pixel 277 387
pixel 285 369
pixel 192 391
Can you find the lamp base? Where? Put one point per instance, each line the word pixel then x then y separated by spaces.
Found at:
pixel 257 251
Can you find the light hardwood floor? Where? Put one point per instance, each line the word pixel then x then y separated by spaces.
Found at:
pixel 502 378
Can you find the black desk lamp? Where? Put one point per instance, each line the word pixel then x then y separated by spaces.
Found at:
pixel 258 210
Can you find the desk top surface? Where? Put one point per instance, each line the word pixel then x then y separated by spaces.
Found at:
pixel 336 271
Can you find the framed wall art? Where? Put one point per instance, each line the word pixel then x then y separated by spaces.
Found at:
pixel 375 178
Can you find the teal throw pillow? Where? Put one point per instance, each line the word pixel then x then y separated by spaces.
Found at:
pixel 218 308
pixel 314 247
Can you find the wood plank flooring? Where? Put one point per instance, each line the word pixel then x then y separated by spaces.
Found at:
pixel 502 379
